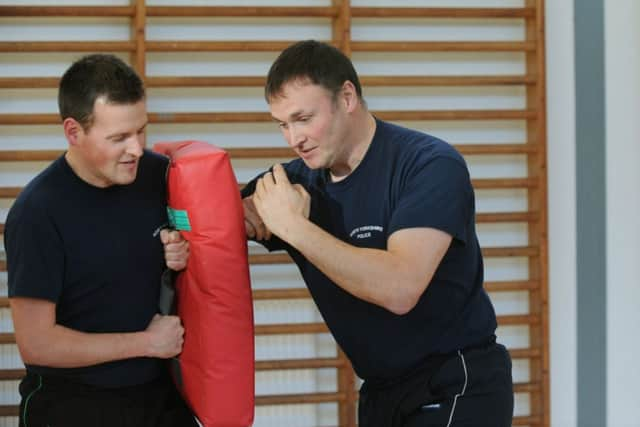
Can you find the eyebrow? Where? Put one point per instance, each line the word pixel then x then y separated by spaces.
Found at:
pixel 292 116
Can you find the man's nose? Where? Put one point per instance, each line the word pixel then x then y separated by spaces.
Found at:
pixel 135 145
pixel 295 137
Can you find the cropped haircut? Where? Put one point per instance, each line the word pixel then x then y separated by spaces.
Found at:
pixel 97 76
pixel 312 61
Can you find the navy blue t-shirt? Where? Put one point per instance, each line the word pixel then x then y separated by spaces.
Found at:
pixel 93 252
pixel 407 179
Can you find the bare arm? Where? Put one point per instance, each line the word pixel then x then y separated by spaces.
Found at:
pixel 394 278
pixel 43 342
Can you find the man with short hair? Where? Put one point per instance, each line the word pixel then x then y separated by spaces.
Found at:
pixel 380 220
pixel 84 263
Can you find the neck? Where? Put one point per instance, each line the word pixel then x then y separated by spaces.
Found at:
pixel 76 164
pixel 361 135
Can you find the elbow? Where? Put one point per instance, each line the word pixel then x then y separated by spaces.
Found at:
pixel 404 299
pixel 29 356
pixel 30 352
pixel 400 308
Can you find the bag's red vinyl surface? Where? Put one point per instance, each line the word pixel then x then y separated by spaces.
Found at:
pixel 214 292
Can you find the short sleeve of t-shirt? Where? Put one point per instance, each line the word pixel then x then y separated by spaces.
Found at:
pixel 35 257
pixel 435 194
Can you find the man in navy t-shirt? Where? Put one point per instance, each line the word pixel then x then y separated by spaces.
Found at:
pixel 380 220
pixel 84 261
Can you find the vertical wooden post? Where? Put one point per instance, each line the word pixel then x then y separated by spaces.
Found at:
pixel 138 57
pixel 341 28
pixel 537 198
pixel 347 387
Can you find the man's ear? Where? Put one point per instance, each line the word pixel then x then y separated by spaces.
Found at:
pixel 349 96
pixel 72 130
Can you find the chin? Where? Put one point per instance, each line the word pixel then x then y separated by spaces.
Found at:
pixel 311 164
pixel 126 180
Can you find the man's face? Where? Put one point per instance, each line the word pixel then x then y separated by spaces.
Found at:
pixel 312 123
pixel 109 151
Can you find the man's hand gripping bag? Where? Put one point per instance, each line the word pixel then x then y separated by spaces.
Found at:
pixel 213 294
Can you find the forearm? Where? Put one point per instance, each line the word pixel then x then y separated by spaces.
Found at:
pixel 61 347
pixel 376 276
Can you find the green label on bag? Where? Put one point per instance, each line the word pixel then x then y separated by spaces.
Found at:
pixel 179 219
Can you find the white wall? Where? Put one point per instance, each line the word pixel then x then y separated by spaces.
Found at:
pixel 622 82
pixel 562 210
pixel 622 71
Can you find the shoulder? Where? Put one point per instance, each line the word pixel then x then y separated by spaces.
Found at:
pixel 151 159
pixel 412 148
pixel 153 168
pixel 37 197
pixel 296 167
pixel 299 173
pixel 44 187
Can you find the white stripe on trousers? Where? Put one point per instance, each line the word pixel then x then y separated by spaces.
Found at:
pixel 464 388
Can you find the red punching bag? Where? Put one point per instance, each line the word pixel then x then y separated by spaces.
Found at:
pixel 213 294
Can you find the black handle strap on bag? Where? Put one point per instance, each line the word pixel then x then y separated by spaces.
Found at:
pixel 166 307
pixel 166 303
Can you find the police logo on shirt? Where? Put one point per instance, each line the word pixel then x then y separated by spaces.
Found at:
pixel 365 231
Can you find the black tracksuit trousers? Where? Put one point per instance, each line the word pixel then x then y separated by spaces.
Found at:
pixel 468 388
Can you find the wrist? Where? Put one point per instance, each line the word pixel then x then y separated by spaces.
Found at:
pixel 142 344
pixel 296 231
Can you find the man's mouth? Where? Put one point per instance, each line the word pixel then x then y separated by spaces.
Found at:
pixel 132 162
pixel 305 152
